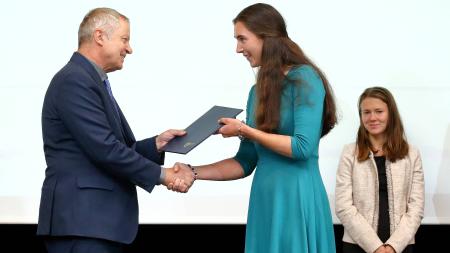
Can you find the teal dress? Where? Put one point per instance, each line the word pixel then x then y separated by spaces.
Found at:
pixel 289 209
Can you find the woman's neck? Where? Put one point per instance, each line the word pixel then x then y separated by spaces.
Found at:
pixel 377 143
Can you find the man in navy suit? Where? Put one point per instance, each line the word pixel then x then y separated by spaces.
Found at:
pixel 89 200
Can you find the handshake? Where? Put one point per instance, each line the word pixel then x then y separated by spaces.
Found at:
pixel 179 178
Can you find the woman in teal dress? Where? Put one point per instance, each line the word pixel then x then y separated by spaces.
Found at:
pixel 288 110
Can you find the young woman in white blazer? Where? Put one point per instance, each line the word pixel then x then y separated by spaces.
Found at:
pixel 379 182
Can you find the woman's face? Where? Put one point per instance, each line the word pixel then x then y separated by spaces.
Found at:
pixel 248 44
pixel 374 116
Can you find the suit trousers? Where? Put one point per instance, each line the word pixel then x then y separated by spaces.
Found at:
pixel 76 244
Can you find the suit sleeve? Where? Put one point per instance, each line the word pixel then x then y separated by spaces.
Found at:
pixel 147 148
pixel 82 111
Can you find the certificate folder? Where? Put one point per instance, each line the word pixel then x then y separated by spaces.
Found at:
pixel 201 129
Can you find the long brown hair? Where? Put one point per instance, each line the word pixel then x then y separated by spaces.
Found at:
pixel 396 146
pixel 278 52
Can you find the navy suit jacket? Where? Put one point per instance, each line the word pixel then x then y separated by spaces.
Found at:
pixel 93 160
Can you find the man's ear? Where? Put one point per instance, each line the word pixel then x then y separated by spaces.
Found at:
pixel 99 36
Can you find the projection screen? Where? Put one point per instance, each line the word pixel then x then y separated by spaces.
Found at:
pixel 184 62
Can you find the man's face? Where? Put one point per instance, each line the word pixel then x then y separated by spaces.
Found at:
pixel 116 47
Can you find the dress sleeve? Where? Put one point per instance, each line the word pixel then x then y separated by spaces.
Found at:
pixel 247 156
pixel 308 99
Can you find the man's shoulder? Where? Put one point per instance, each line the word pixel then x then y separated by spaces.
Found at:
pixel 78 68
pixel 70 71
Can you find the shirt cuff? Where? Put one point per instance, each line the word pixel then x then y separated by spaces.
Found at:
pixel 162 175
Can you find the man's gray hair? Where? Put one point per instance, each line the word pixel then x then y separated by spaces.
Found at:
pixel 105 19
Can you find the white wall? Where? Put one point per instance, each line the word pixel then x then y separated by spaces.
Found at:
pixel 184 62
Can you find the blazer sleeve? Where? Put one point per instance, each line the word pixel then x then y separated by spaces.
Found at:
pixel 354 223
pixel 147 148
pixel 82 111
pixel 410 221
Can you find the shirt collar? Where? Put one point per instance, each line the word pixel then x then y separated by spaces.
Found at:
pixel 99 70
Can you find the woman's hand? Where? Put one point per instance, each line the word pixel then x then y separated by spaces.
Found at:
pixel 231 127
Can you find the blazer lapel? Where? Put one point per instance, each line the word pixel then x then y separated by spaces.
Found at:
pixel 111 115
pixel 126 130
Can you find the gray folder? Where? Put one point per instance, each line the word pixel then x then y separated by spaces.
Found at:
pixel 201 129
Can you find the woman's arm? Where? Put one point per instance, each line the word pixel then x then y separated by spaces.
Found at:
pixel 278 143
pixel 307 97
pixel 228 169
pixel 410 221
pixel 354 223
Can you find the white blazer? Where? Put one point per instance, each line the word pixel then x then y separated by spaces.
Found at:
pixel 357 199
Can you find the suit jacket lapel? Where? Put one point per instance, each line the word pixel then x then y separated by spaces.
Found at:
pixel 126 130
pixel 110 112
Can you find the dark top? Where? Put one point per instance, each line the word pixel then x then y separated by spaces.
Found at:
pixel 383 214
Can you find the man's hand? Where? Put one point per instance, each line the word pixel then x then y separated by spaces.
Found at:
pixel 179 178
pixel 164 138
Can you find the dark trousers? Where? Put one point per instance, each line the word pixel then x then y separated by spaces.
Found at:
pixel 354 248
pixel 76 244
